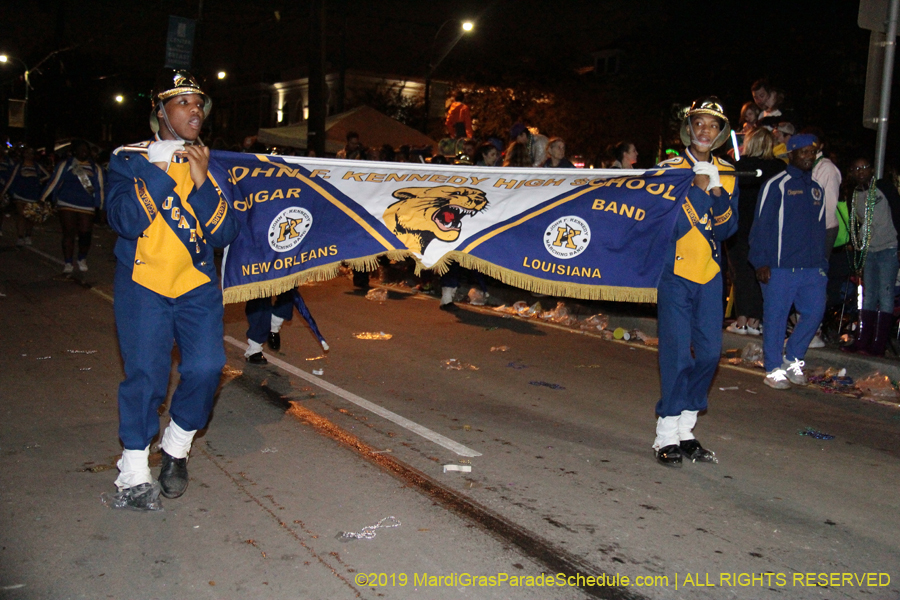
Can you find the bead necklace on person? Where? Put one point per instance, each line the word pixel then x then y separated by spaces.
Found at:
pixel 861 239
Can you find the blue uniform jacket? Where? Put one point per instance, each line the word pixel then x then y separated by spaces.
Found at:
pixel 6 167
pixel 167 228
pixel 68 190
pixel 789 225
pixel 26 182
pixel 703 224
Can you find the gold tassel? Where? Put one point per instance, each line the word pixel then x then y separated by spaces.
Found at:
pixel 273 287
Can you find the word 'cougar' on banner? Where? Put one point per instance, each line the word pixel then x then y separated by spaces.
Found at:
pixel 569 232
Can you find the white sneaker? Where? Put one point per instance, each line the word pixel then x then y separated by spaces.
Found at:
pixel 27 240
pixel 738 329
pixel 82 265
pixel 817 342
pixel 777 378
pixel 754 330
pixel 67 268
pixel 794 371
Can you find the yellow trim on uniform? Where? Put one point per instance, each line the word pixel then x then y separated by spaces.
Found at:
pixel 693 254
pixel 140 190
pixel 723 218
pixel 691 212
pixel 221 210
pixel 163 263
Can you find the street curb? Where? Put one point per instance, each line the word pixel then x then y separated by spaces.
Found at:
pixel 857 365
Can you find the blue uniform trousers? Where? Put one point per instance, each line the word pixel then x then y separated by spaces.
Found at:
pixel 690 315
pixel 454 274
pixel 259 313
pixel 148 324
pixel 805 289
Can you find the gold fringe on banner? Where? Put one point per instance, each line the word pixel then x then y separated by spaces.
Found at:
pixel 273 287
pixel 552 288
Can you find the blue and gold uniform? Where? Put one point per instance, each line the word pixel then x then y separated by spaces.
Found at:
pixel 26 182
pixel 76 186
pixel 690 293
pixel 166 287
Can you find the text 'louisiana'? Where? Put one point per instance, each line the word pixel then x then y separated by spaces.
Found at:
pixel 560 269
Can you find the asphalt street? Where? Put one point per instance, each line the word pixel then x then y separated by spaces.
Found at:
pixel 555 426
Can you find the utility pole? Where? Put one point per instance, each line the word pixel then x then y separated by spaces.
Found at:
pixel 884 107
pixel 315 132
pixel 880 17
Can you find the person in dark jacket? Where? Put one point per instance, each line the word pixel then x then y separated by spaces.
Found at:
pixel 556 155
pixel 756 154
pixel 876 209
pixel 787 247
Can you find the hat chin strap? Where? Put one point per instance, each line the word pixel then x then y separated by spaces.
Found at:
pixel 694 139
pixel 706 147
pixel 162 106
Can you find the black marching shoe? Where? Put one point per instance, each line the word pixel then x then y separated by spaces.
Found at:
pixel 669 456
pixel 173 476
pixel 274 340
pixel 257 359
pixel 693 450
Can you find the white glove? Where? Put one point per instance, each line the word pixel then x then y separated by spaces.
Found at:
pixel 162 151
pixel 710 170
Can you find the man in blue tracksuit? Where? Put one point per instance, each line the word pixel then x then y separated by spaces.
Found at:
pixel 788 250
pixel 689 295
pixel 167 203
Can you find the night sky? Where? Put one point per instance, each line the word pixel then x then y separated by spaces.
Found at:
pixel 673 52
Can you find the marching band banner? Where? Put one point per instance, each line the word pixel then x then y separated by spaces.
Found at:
pixel 578 233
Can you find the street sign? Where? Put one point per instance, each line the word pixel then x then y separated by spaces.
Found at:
pixel 881 17
pixel 16 113
pixel 180 42
pixel 873 15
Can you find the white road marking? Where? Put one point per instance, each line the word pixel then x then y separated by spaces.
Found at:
pixel 52 258
pixel 426 433
pixel 49 257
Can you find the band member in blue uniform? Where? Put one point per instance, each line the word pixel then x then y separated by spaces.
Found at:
pixel 23 187
pixel 168 203
pixel 76 190
pixel 689 298
pixel 264 319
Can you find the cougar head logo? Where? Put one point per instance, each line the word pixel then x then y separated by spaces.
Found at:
pixel 421 215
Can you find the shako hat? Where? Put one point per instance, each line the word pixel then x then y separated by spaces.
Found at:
pixel 709 105
pixel 171 83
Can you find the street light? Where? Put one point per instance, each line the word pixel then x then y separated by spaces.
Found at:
pixel 4 58
pixel 120 98
pixel 221 74
pixel 465 27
